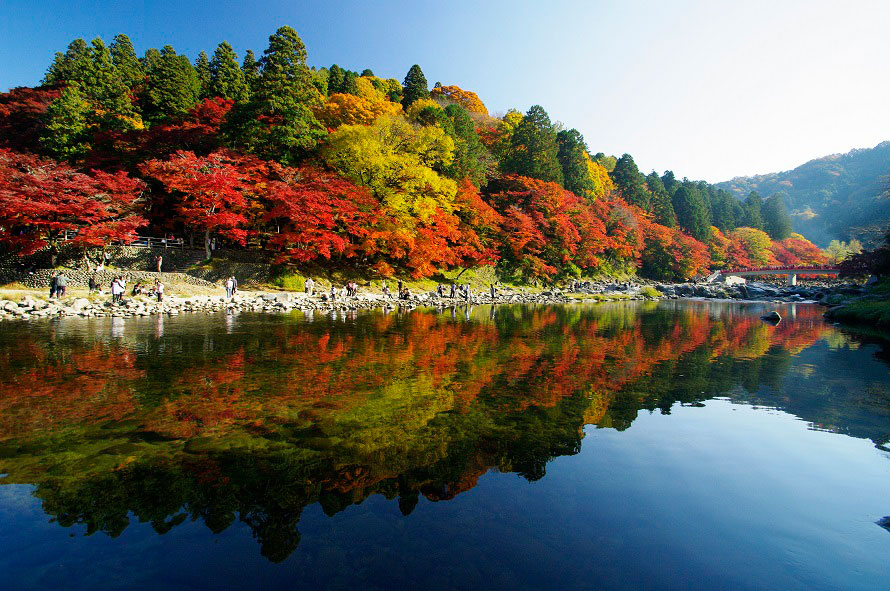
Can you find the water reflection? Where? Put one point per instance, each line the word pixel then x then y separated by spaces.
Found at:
pixel 254 418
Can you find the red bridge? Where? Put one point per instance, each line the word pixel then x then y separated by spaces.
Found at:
pixel 791 272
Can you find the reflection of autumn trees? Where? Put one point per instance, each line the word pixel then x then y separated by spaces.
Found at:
pixel 257 425
pixel 93 384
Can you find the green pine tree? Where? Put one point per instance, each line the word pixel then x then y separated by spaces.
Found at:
pixel 108 92
pixel 572 160
pixel 251 68
pixel 202 70
pixel 415 86
pixel 125 61
pixel 150 60
pixel 350 86
pixel 285 94
pixel 692 211
pixel 73 65
pixel 66 132
pixel 662 208
pixel 226 77
pixel 172 87
pixel 776 221
pixel 336 76
pixel 670 182
pixel 753 215
pixel 630 182
pixel 534 150
pixel 470 156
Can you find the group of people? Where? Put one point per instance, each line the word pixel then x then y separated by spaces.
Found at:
pixel 231 287
pixel 57 285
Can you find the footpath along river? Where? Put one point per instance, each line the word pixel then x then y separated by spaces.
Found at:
pixel 654 444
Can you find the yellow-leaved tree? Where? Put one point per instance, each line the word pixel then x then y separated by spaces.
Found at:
pixel 349 109
pixel 399 163
pixel 467 99
pixel 602 182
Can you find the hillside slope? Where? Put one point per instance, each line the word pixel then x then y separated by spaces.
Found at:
pixel 840 196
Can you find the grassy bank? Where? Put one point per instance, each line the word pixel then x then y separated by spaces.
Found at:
pixel 873 309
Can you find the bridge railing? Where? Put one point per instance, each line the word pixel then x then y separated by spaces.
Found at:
pixel 781 268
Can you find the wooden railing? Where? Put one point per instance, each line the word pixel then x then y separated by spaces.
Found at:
pixel 140 242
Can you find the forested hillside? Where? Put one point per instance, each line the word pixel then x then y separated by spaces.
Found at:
pixel 841 196
pixel 347 168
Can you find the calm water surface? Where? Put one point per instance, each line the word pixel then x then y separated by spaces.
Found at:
pixel 619 446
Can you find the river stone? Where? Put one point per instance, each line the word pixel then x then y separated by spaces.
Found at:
pixel 771 317
pixel 80 304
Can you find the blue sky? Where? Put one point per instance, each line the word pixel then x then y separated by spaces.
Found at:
pixel 709 89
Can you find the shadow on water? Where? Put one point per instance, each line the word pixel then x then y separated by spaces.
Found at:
pixel 253 418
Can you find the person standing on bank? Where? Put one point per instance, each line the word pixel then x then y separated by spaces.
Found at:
pixel 230 287
pixel 117 289
pixel 159 289
pixel 61 284
pixel 53 282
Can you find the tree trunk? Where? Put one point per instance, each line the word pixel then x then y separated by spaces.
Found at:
pixel 207 243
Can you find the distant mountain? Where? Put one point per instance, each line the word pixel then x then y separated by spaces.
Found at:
pixel 840 196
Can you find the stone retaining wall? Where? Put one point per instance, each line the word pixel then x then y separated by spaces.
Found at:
pixel 79 278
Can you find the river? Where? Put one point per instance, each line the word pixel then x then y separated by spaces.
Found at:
pixel 637 445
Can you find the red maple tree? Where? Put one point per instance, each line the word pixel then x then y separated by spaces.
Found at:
pixel 43 203
pixel 208 192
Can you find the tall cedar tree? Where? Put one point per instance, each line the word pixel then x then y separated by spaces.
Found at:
pixel 726 211
pixel 172 87
pixel 692 212
pixel 662 208
pixel 670 182
pixel 534 150
pixel 129 70
pixel 415 86
pixel 66 133
pixel 753 215
pixel 107 90
pixel 350 86
pixel 150 61
pixel 629 181
pixel 278 123
pixel 776 221
pixel 335 79
pixel 226 77
pixel 202 69
pixel 571 155
pixel 251 69
pixel 100 83
pixel 74 64
pixel 469 154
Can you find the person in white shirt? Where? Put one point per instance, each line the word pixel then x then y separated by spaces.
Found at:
pixel 159 289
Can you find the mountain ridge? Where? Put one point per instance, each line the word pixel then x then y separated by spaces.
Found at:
pixel 838 196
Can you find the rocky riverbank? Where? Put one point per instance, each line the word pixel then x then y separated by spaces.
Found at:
pixel 821 292
pixel 30 307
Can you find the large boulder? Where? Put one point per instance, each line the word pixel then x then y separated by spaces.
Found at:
pixel 81 303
